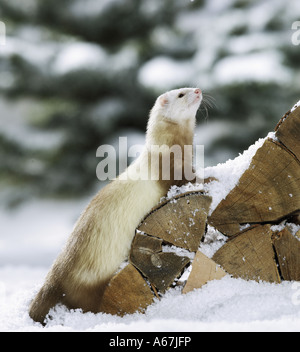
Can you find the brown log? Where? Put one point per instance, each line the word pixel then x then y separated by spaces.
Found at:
pixel 161 269
pixel 126 293
pixel 267 192
pixel 250 255
pixel 288 131
pixel 204 270
pixel 180 221
pixel 287 248
pixel 149 244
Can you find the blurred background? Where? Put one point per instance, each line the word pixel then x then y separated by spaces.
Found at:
pixel 76 74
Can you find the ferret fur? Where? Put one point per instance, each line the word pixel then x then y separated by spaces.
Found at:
pixel 102 236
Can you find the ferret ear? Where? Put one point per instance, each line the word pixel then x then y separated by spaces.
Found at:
pixel 163 100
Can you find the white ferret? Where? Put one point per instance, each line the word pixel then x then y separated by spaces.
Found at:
pixel 102 236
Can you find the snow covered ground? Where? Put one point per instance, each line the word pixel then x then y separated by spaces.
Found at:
pixel 225 305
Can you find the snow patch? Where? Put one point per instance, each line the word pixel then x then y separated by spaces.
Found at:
pixel 264 66
pixel 295 106
pixel 79 55
pixel 228 174
pixel 164 72
pixel 221 305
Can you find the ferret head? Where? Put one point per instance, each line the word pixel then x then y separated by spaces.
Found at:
pixel 178 105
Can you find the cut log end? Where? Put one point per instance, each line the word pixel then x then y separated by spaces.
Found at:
pixel 126 293
pixel 287 249
pixel 268 191
pixel 250 256
pixel 204 270
pixel 180 221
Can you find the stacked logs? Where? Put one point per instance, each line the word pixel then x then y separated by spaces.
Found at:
pixel 266 194
pixel 180 222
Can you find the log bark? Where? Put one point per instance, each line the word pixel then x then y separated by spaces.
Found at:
pixel 288 131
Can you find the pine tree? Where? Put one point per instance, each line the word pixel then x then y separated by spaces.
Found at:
pixel 87 104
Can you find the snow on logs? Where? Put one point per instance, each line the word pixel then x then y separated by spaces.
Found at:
pixel 258 248
pixel 267 192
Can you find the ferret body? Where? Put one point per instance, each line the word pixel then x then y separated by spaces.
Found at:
pixel 102 236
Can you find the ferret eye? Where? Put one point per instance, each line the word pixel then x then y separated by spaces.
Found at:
pixel 181 95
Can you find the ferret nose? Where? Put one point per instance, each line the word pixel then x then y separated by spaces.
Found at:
pixel 197 91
